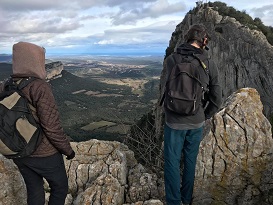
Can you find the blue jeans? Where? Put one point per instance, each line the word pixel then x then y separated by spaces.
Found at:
pixel 34 169
pixel 177 142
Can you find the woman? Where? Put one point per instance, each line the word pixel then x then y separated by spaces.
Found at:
pixel 46 161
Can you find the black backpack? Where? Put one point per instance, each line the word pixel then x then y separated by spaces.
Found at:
pixel 184 90
pixel 20 133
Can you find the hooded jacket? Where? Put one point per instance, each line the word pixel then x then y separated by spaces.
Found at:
pixel 28 60
pixel 213 97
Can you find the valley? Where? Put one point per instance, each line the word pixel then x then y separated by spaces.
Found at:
pixel 102 97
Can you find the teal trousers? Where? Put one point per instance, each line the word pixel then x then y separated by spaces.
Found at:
pixel 179 143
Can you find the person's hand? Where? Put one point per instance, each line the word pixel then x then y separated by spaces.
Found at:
pixel 71 156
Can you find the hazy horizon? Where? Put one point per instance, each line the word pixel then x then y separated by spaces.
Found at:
pixel 106 54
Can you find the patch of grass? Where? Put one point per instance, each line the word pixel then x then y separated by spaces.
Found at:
pixel 96 125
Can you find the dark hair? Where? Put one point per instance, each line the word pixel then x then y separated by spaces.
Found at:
pixel 196 32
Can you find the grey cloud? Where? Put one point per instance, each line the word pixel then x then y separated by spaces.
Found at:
pixel 87 17
pixel 262 11
pixel 134 36
pixel 33 5
pixel 48 22
pixel 152 11
pixel 265 13
pixel 47 27
pixel 112 3
pixel 29 5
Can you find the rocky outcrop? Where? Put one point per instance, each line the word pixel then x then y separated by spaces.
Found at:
pixel 12 187
pixel 107 173
pixel 54 70
pixel 244 56
pixel 234 165
pixel 102 173
pixel 235 159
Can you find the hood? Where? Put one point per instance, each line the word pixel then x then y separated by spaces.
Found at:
pixel 28 60
pixel 187 48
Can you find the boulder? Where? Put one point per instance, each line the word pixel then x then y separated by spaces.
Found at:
pixel 235 160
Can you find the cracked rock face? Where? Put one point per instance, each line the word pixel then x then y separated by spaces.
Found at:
pixel 234 165
pixel 104 173
pixel 141 185
pixel 98 173
pixel 235 160
pixel 243 56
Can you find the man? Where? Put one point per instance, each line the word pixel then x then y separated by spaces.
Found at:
pixel 46 162
pixel 182 133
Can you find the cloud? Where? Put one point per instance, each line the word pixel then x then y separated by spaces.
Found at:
pixel 104 42
pixel 37 25
pixel 265 13
pixel 39 22
pixel 34 5
pixel 31 5
pixel 147 35
pixel 149 10
pixel 90 25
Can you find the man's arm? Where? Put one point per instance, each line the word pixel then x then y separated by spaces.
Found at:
pixel 215 92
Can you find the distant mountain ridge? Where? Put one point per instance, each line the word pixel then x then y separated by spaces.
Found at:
pixel 5 58
pixel 53 70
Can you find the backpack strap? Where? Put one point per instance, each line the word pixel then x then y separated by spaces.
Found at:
pixel 201 63
pixel 24 82
pixel 19 84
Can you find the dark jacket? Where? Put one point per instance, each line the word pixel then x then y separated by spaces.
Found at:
pixel 213 96
pixel 29 61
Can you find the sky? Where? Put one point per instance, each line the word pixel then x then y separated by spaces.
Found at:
pixel 103 26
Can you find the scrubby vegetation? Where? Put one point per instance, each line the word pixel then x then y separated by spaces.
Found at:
pixel 143 141
pixel 243 18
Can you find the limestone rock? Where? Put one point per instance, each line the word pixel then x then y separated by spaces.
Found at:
pixel 99 167
pixel 234 165
pixel 149 202
pixel 235 159
pixel 54 70
pixel 99 172
pixel 104 190
pixel 12 186
pixel 142 185
pixel 243 56
pixel 97 175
